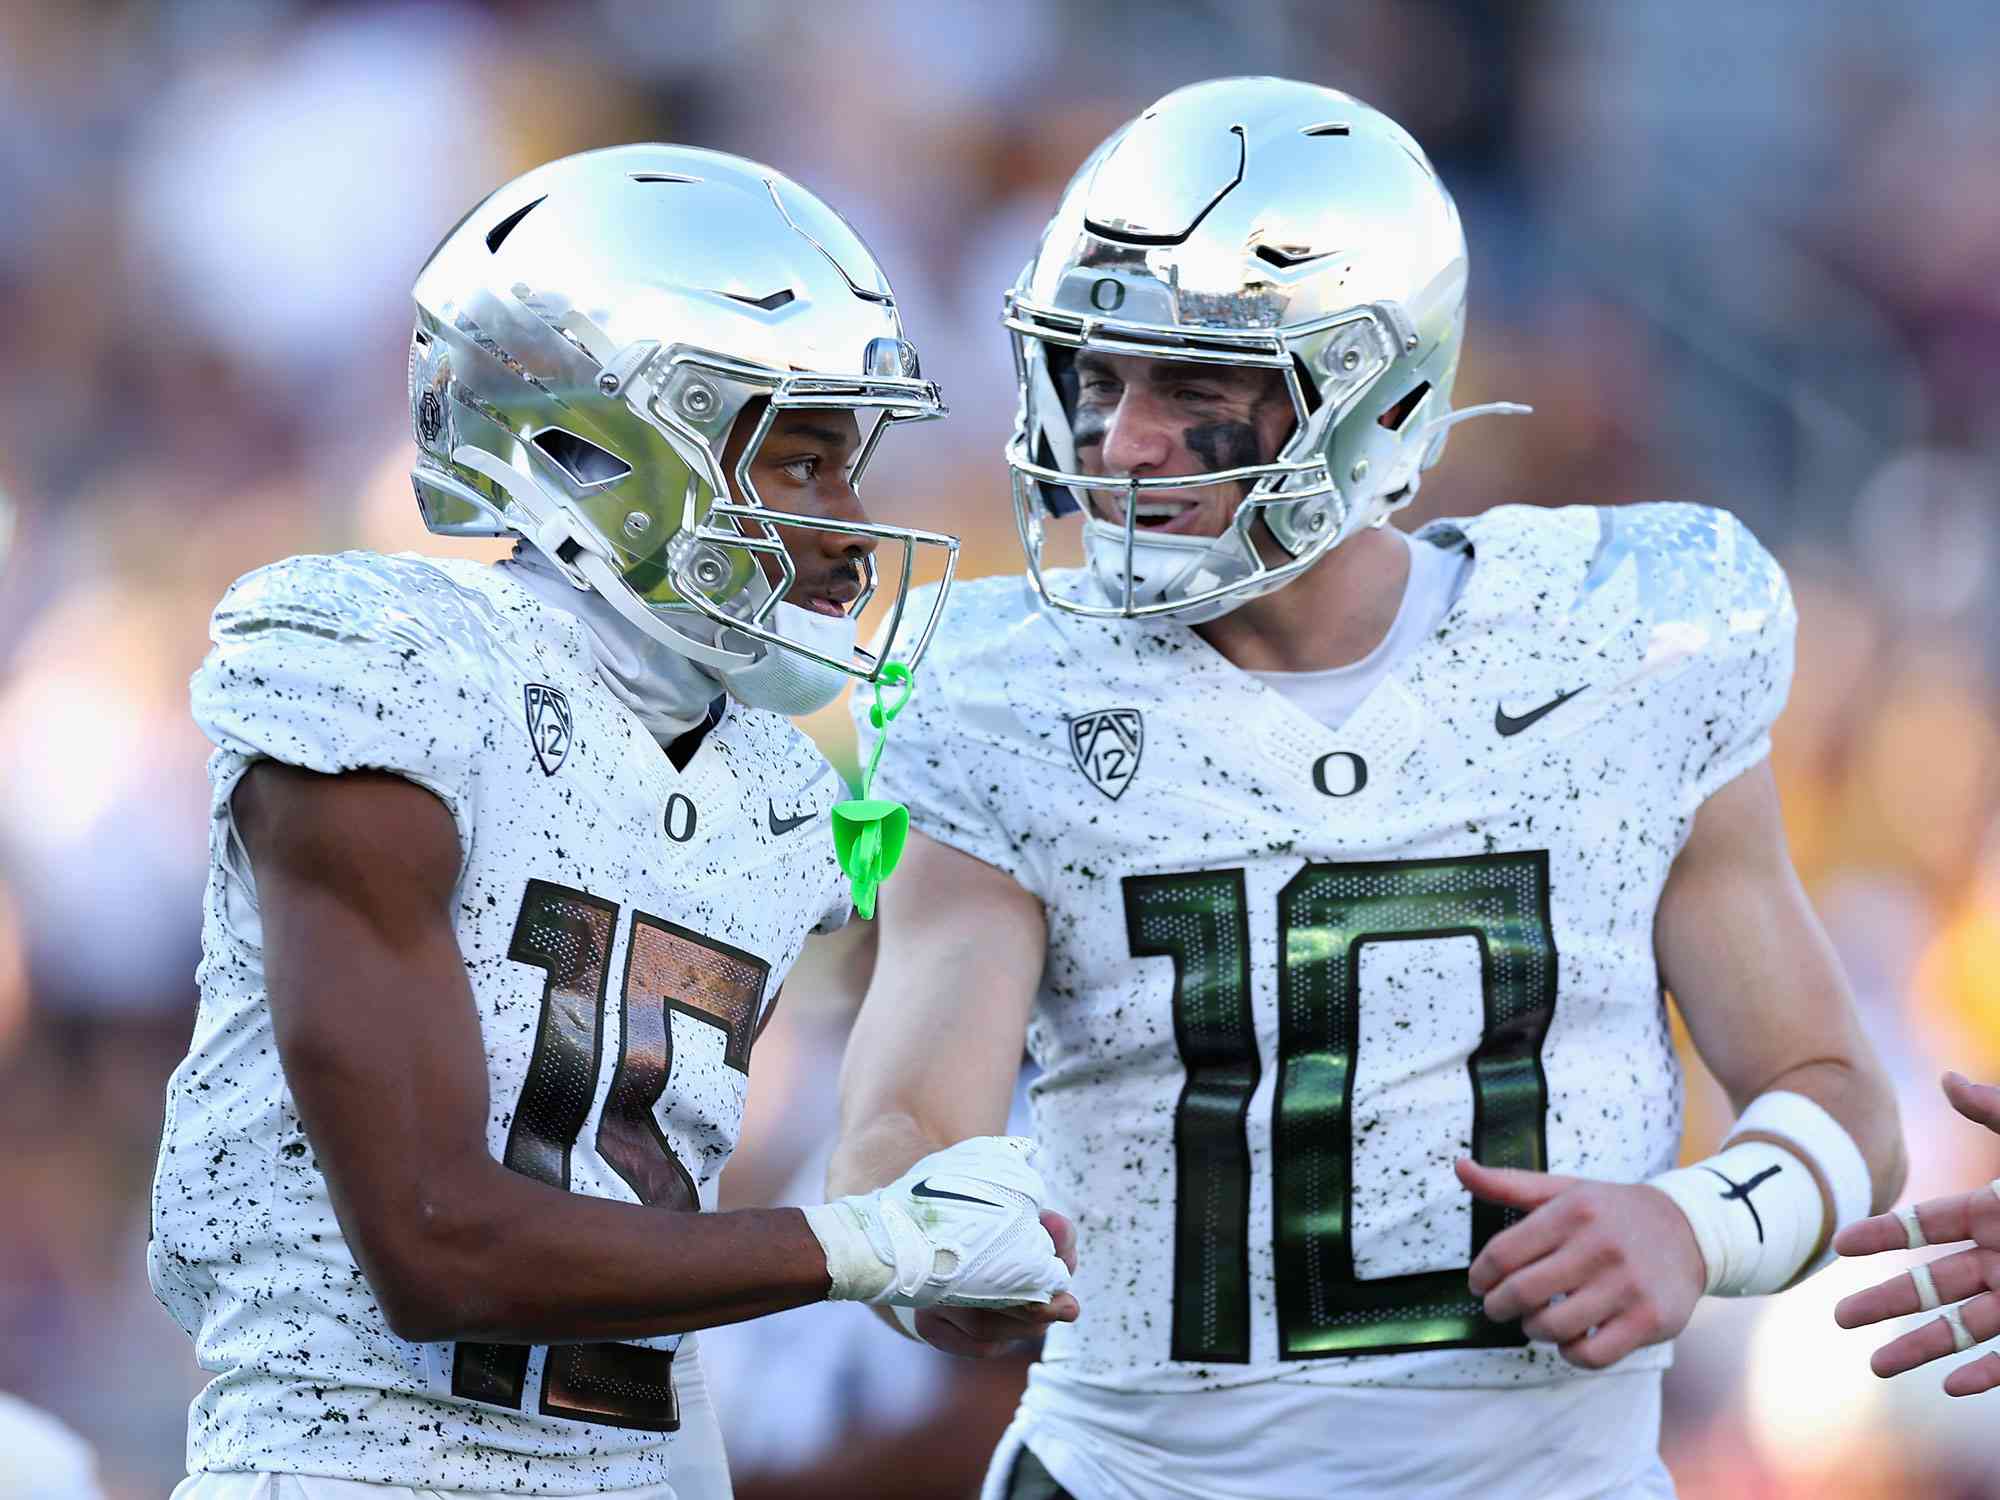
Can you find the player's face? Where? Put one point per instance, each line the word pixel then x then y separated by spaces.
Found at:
pixel 802 467
pixel 1136 417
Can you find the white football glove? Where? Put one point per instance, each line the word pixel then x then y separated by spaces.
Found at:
pixel 961 1228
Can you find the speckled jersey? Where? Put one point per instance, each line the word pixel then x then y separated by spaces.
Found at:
pixel 625 927
pixel 1293 972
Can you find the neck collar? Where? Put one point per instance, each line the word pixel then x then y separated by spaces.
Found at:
pixel 665 691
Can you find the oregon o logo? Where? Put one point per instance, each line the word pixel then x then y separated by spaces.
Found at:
pixel 680 817
pixel 1107 294
pixel 1342 780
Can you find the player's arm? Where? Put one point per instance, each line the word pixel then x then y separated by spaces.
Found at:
pixel 380 1040
pixel 936 1049
pixel 1766 1003
pixel 1769 1012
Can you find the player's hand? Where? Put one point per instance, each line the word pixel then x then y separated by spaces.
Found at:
pixel 1967 1279
pixel 961 1227
pixel 989 1333
pixel 1621 1256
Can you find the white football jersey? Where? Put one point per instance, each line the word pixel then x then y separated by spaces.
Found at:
pixel 625 926
pixel 43 1458
pixel 1294 972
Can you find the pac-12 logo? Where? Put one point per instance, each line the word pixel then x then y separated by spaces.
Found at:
pixel 548 725
pixel 1106 745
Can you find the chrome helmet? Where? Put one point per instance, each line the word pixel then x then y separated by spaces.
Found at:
pixel 1254 222
pixel 585 340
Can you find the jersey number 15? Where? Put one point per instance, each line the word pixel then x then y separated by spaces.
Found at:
pixel 568 934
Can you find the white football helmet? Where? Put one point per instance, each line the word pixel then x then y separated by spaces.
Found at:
pixel 1253 222
pixel 585 340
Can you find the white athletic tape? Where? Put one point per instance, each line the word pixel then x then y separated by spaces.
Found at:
pixel 1927 1292
pixel 1756 1214
pixel 1913 1227
pixel 1961 1338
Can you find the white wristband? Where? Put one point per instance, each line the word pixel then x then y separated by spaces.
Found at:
pixel 1821 1140
pixel 1755 1208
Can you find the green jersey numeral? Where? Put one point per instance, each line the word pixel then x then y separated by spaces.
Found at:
pixel 1326 914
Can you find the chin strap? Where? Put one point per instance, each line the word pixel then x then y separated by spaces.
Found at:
pixel 869 833
pixel 604 580
pixel 555 534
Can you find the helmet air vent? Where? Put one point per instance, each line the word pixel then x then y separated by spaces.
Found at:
pixel 1160 181
pixel 769 302
pixel 857 261
pixel 1284 257
pixel 662 177
pixel 586 464
pixel 1332 127
pixel 1398 416
pixel 497 235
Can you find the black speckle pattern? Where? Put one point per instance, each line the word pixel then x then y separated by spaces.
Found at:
pixel 417 666
pixel 1676 626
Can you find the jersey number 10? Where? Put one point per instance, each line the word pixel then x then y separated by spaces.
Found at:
pixel 568 934
pixel 1326 913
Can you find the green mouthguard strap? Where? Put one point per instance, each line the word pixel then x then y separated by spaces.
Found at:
pixel 869 833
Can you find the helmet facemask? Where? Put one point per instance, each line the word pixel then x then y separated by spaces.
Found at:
pixel 750 526
pixel 1303 507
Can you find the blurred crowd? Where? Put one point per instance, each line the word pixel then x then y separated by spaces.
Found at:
pixel 1748 255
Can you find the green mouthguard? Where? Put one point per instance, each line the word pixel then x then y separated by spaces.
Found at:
pixel 869 832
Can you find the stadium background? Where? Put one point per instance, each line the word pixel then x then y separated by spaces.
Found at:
pixel 1743 254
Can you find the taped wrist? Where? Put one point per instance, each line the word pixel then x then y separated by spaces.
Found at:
pixel 855 1273
pixel 874 1251
pixel 1756 1210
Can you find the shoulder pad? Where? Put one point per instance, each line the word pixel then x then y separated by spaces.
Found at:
pixel 981 615
pixel 348 597
pixel 1697 572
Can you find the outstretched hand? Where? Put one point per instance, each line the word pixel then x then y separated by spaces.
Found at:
pixel 1967 1279
pixel 1620 1257
pixel 990 1333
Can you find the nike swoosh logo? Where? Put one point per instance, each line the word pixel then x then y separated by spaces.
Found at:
pixel 1507 724
pixel 925 1190
pixel 786 825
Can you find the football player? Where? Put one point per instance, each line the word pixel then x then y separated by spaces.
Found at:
pixel 1963 1288
pixel 1334 874
pixel 510 861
